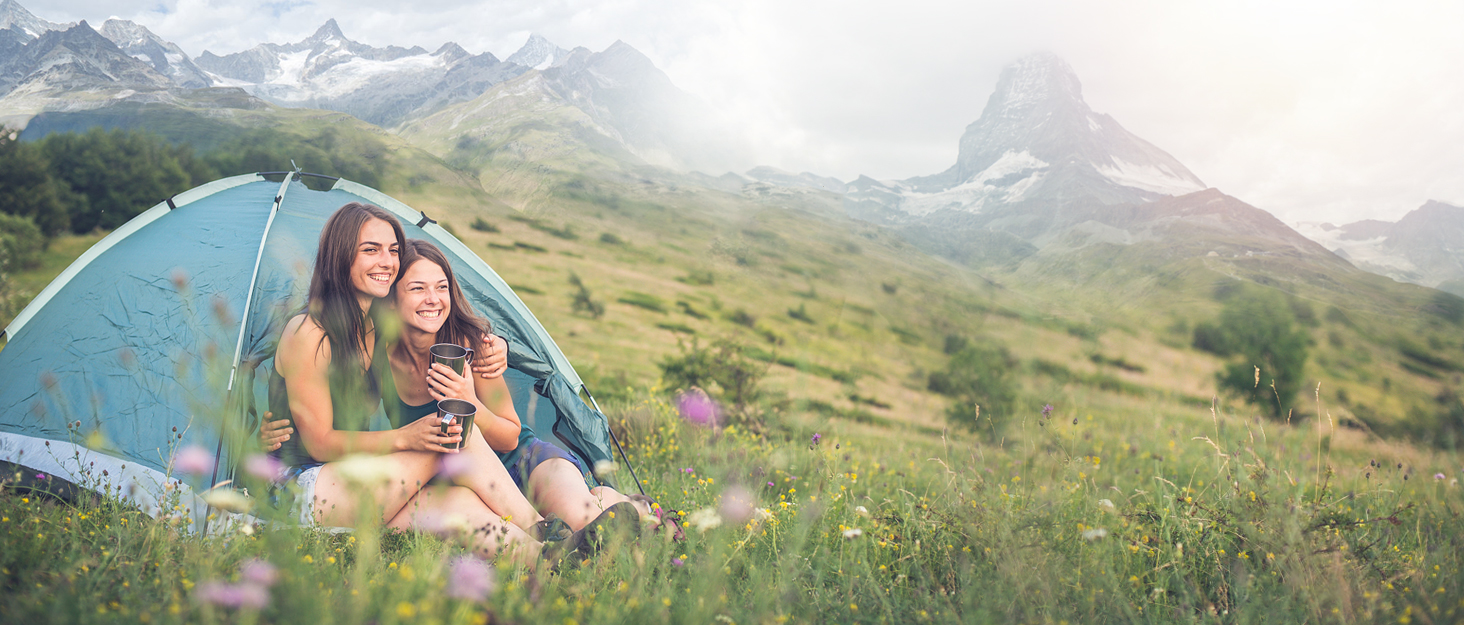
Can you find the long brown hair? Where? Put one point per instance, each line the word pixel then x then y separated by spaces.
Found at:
pixel 463 326
pixel 332 300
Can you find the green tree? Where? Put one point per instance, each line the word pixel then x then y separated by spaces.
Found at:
pixel 27 188
pixel 1258 330
pixel 978 379
pixel 120 173
pixel 724 371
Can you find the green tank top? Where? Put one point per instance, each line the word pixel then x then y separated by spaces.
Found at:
pixel 400 413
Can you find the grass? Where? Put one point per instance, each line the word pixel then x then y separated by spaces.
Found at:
pixel 1111 513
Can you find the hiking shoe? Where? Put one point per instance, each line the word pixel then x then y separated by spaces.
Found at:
pixel 619 518
pixel 551 529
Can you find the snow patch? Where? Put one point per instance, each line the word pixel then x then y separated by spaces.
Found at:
pixel 1148 178
pixel 1359 251
pixel 973 195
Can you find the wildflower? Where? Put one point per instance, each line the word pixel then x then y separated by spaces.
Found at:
pixel 696 407
pixel 227 499
pixel 470 579
pixel 816 436
pixel 453 465
pixel 243 595
pixel 704 519
pixel 259 572
pixel 678 562
pixel 1046 411
pixel 852 533
pixel 736 505
pixel 42 476
pixel 1438 476
pixel 193 460
pixel 770 483
pixel 264 467
pixel 1107 505
pixel 1095 533
pixel 861 511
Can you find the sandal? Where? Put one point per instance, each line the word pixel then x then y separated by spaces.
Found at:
pixel 668 520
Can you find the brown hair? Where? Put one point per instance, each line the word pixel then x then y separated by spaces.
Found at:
pixel 463 326
pixel 332 300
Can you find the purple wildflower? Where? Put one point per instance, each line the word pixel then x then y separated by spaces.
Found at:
pixel 470 579
pixel 264 467
pixel 770 483
pixel 736 505
pixel 243 595
pixel 193 460
pixel 1046 411
pixel 1438 476
pixel 40 476
pixel 259 572
pixel 696 407
pixel 816 436
pixel 678 562
pixel 454 465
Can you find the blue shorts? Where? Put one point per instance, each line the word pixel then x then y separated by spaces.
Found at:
pixel 534 454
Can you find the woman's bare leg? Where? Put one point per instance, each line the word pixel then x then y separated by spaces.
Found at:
pixel 557 486
pixel 456 511
pixel 338 499
pixel 489 479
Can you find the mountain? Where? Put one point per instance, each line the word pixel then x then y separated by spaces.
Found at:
pixel 1037 143
pixel 164 56
pixel 539 53
pixel 775 176
pixel 22 25
pixel 613 109
pixel 72 61
pixel 384 86
pixel 1425 247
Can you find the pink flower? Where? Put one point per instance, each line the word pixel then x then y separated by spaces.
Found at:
pixel 193 460
pixel 736 506
pixel 696 407
pixel 259 572
pixel 678 562
pixel 469 578
pixel 1438 476
pixel 454 465
pixel 264 467
pixel 243 595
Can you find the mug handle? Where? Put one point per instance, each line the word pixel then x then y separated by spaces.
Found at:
pixel 470 355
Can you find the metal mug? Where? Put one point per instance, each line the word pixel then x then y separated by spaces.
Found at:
pixel 455 357
pixel 452 411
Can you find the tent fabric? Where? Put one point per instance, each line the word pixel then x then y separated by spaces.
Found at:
pixel 140 335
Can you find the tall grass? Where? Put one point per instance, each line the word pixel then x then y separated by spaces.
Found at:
pixel 1119 517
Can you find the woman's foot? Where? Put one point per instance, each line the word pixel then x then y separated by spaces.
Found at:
pixel 621 518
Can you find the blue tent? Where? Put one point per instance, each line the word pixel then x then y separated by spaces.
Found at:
pixel 163 334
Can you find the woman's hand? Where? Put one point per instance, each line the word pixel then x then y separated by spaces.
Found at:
pixel 425 434
pixel 444 383
pixel 491 359
pixel 272 434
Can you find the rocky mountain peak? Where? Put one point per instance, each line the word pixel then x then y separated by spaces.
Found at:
pixel 16 18
pixel 164 56
pixel 329 31
pixel 539 53
pixel 1034 80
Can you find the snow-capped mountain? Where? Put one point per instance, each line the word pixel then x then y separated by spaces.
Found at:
pixel 809 180
pixel 383 86
pixel 539 53
pixel 1036 141
pixel 1425 247
pixel 24 26
pixel 71 60
pixel 164 56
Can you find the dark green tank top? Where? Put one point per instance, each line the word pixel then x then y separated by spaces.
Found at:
pixel 401 413
pixel 355 397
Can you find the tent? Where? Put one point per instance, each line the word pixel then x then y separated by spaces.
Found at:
pixel 163 334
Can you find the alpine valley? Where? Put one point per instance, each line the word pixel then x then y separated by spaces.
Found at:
pixel 1088 254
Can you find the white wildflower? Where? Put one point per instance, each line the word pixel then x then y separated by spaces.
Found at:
pixel 1095 533
pixel 852 533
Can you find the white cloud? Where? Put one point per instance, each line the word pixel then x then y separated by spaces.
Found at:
pixel 1330 111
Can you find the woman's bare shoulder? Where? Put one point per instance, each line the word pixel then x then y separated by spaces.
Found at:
pixel 301 339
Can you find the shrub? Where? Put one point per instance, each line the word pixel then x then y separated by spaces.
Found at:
pixel 582 302
pixel 643 300
pixel 482 225
pixel 724 370
pixel 800 314
pixel 698 277
pixel 610 239
pixel 978 379
pixel 1259 329
pixel 743 318
pixel 21 243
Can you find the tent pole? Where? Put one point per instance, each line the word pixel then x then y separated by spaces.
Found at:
pixel 628 465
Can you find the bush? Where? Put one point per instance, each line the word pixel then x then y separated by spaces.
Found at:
pixel 1260 330
pixel 610 239
pixel 978 379
pixel 27 188
pixel 724 370
pixel 21 243
pixel 482 225
pixel 582 302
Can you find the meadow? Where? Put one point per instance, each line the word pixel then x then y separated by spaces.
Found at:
pixel 1104 509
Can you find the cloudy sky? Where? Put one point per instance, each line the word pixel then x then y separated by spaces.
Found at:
pixel 1320 111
